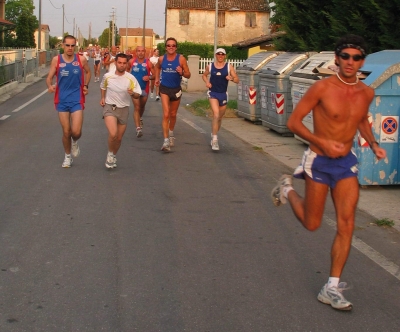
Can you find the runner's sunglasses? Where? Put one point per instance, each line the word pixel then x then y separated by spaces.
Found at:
pixel 347 56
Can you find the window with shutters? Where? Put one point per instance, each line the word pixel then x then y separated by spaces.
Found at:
pixel 221 19
pixel 184 17
pixel 251 19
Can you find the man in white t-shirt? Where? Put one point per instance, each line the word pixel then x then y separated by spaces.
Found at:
pixel 117 88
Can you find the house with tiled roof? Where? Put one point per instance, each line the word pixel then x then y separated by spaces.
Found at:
pixel 132 37
pixel 194 20
pixel 44 37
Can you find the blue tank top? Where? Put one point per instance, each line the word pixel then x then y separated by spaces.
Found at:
pixel 169 76
pixel 70 80
pixel 139 70
pixel 218 78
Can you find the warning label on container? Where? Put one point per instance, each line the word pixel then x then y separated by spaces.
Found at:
pixel 389 126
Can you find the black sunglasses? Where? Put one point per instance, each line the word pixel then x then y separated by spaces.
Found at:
pixel 169 45
pixel 70 45
pixel 220 54
pixel 347 56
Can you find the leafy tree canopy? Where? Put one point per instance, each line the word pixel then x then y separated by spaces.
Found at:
pixel 315 25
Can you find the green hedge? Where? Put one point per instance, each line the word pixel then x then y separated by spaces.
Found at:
pixel 204 50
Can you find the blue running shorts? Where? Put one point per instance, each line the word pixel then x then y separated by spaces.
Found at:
pixel 326 170
pixel 221 97
pixel 69 107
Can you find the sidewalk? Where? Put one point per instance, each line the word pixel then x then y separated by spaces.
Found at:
pixel 378 201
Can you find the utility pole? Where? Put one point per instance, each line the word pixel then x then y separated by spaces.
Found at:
pixel 144 25
pixel 90 32
pixel 63 21
pixel 39 46
pixel 73 29
pixel 126 29
pixel 113 28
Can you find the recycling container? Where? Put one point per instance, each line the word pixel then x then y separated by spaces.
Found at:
pixel 305 76
pixel 382 70
pixel 275 91
pixel 248 104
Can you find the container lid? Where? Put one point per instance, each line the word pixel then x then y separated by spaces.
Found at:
pixel 256 61
pixel 380 66
pixel 282 63
pixel 319 60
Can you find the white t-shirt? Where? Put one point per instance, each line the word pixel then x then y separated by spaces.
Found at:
pixel 154 60
pixel 117 86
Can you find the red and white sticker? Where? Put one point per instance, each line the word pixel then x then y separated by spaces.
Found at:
pixel 389 129
pixel 279 103
pixel 361 141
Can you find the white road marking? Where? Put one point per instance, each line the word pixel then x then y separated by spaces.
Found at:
pixel 5 117
pixel 193 125
pixel 371 253
pixel 30 101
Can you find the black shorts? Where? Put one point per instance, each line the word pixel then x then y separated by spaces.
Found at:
pixel 172 93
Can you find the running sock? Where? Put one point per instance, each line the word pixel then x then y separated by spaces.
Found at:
pixel 171 133
pixel 68 155
pixel 138 128
pixel 333 282
pixel 166 140
pixel 286 190
pixel 215 137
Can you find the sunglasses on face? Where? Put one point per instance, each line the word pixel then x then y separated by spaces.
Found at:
pixel 69 45
pixel 169 45
pixel 347 56
pixel 220 54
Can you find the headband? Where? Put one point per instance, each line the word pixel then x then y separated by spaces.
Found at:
pixel 343 46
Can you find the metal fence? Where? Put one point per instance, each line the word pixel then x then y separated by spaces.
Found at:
pixel 17 64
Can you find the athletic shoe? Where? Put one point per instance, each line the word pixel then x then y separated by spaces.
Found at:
pixel 214 145
pixel 151 95
pixel 277 192
pixel 67 161
pixel 111 161
pixel 75 151
pixel 171 141
pixel 139 132
pixel 334 297
pixel 157 98
pixel 141 123
pixel 166 147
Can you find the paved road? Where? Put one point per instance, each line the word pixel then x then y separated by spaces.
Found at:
pixel 185 241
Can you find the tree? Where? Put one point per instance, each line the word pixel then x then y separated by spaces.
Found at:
pixel 53 41
pixel 315 25
pixel 20 12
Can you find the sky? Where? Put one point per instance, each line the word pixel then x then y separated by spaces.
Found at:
pixel 98 12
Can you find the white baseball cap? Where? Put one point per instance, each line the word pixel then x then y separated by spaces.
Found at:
pixel 220 50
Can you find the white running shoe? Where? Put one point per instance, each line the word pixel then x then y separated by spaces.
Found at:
pixel 277 192
pixel 151 95
pixel 111 161
pixel 75 151
pixel 166 147
pixel 157 98
pixel 334 297
pixel 214 145
pixel 139 132
pixel 171 141
pixel 67 163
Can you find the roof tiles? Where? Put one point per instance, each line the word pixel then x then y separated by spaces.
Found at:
pixel 243 5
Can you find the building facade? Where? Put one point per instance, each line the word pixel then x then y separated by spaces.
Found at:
pixel 194 21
